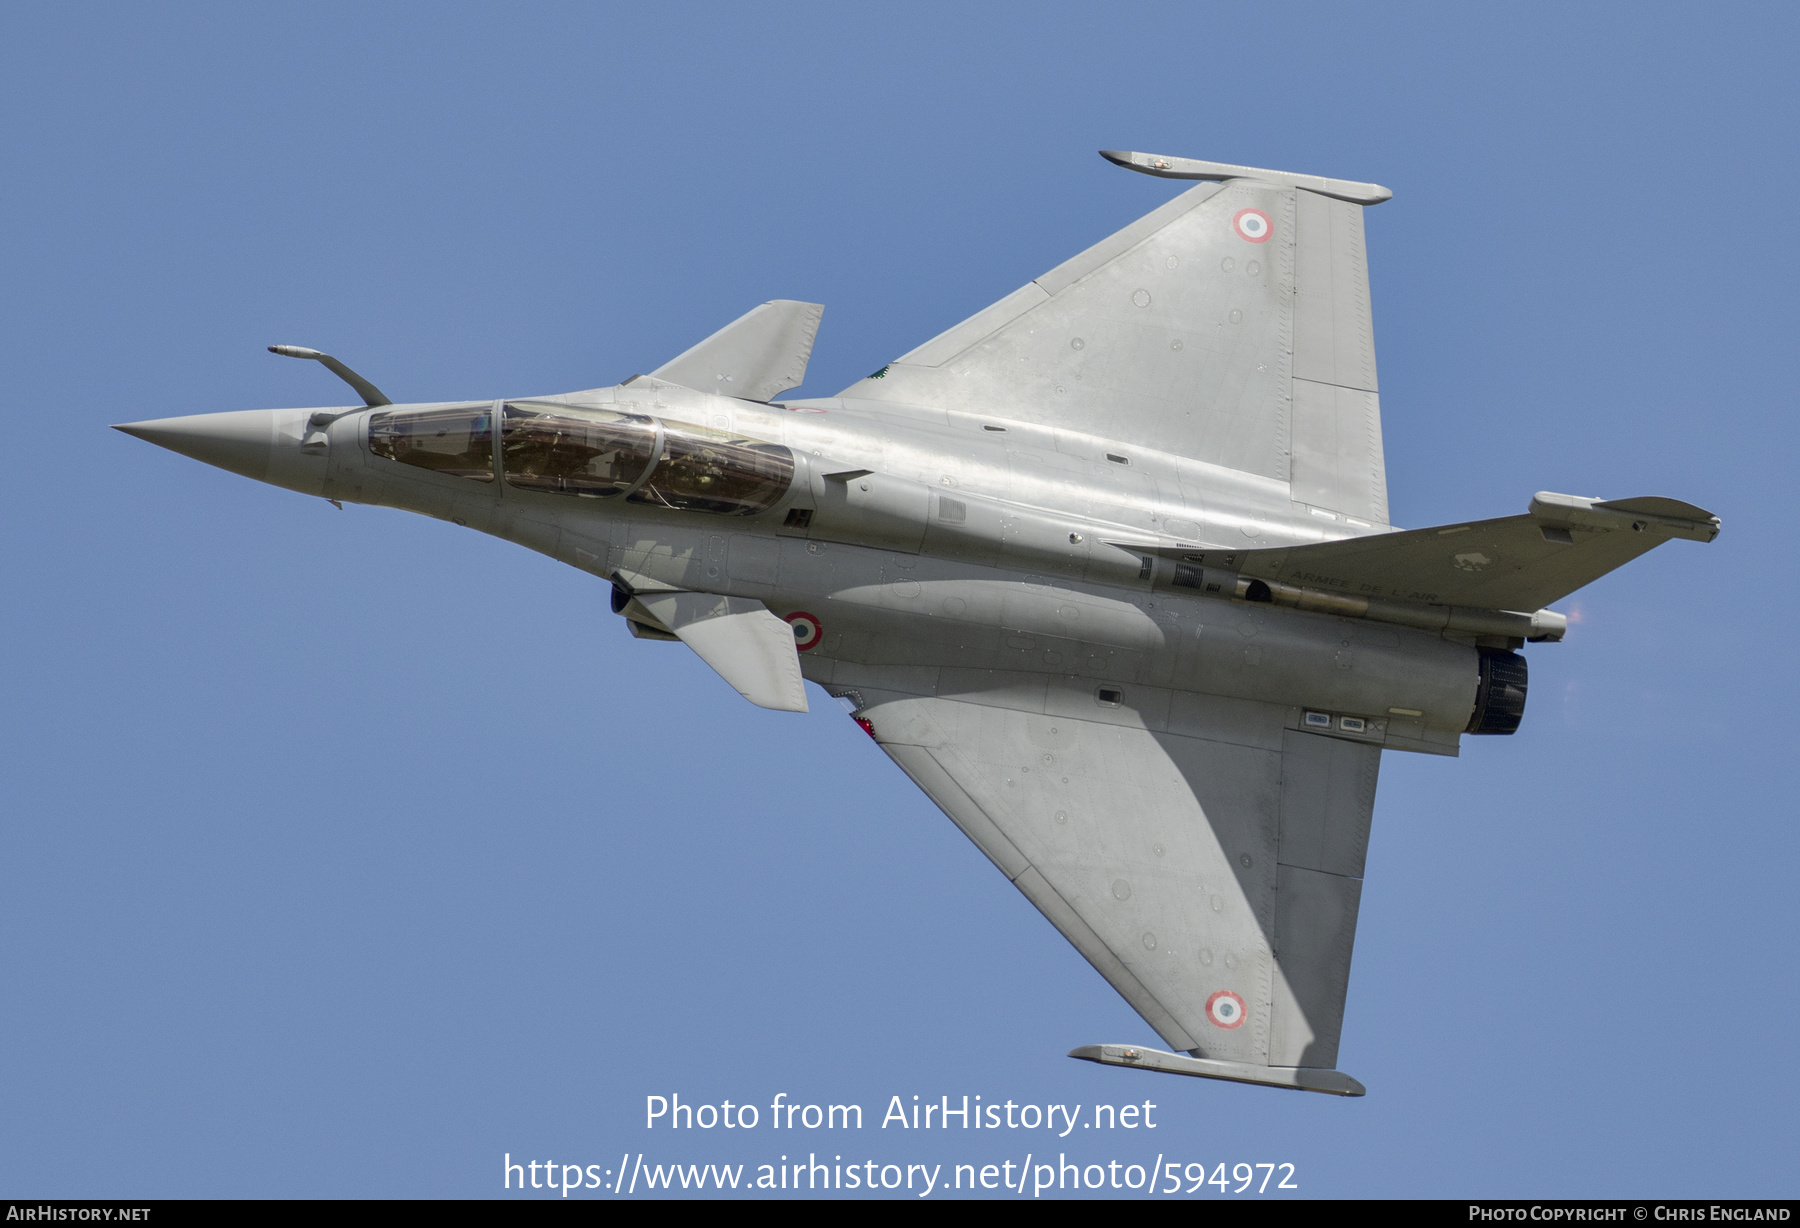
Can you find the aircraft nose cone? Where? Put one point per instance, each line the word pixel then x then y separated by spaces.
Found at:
pixel 240 441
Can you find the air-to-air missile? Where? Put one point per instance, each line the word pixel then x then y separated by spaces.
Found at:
pixel 1106 569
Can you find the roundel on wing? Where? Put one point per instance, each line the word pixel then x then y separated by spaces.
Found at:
pixel 1252 224
pixel 1226 1010
pixel 806 629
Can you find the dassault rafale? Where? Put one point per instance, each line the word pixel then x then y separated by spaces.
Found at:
pixel 1106 569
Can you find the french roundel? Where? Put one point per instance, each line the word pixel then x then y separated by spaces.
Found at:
pixel 806 630
pixel 1226 1010
pixel 1252 224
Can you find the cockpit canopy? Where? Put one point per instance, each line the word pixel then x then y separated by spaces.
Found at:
pixel 457 441
pixel 591 454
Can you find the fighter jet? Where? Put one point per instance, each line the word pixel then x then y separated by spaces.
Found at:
pixel 1106 569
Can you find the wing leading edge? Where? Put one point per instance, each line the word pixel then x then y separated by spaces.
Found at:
pixel 1204 855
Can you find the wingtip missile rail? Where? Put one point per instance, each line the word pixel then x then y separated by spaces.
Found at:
pixel 1164 167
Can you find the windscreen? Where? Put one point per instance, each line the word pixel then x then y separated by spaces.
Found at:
pixel 710 471
pixel 459 442
pixel 594 453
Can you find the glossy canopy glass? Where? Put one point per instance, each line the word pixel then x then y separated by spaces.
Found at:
pixel 703 470
pixel 458 441
pixel 592 453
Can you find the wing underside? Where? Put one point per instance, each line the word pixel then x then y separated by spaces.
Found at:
pixel 1232 325
pixel 1205 858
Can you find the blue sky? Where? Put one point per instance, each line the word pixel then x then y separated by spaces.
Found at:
pixel 346 852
